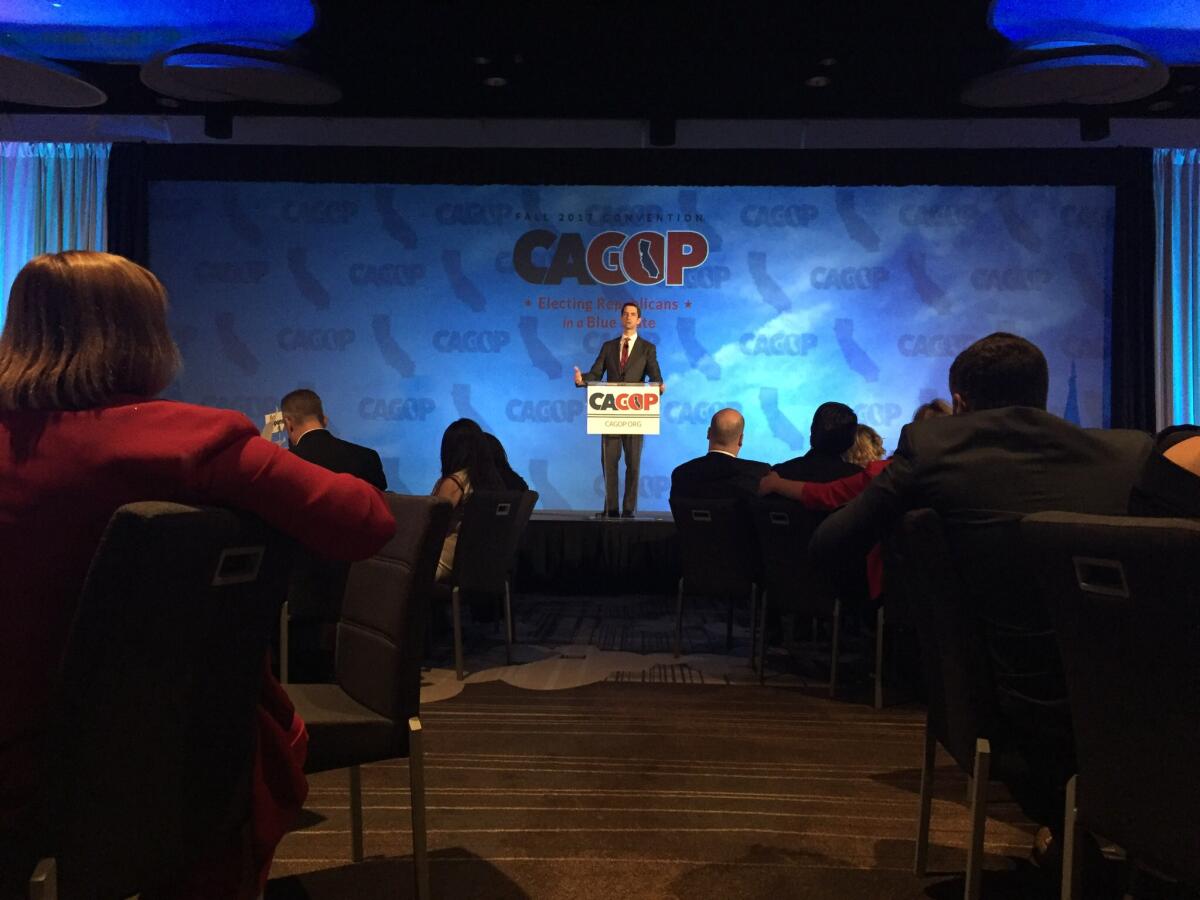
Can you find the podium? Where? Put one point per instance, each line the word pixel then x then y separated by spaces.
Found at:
pixel 615 407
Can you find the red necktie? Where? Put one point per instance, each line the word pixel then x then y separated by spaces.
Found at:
pixel 624 353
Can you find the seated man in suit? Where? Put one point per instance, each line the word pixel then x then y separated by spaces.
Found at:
pixel 720 474
pixel 317 584
pixel 999 456
pixel 832 433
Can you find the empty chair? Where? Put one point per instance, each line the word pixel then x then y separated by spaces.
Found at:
pixel 488 538
pixel 371 712
pixel 790 582
pixel 153 727
pixel 718 557
pixel 962 713
pixel 1125 600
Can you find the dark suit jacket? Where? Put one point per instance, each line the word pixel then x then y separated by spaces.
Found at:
pixel 816 466
pixel 981 472
pixel 717 476
pixel 316 584
pixel 323 449
pixel 641 365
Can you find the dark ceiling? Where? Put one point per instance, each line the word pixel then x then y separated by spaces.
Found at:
pixel 744 60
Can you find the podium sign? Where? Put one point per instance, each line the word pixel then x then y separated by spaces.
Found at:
pixel 617 408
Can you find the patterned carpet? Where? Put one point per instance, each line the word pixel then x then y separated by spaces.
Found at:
pixel 644 790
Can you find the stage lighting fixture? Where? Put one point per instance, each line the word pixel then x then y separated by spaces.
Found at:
pixel 662 132
pixel 218 125
pixel 1093 128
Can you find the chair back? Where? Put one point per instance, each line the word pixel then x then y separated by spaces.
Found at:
pixel 381 632
pixel 153 731
pixel 954 658
pixel 794 585
pixel 488 537
pixel 1125 600
pixel 718 553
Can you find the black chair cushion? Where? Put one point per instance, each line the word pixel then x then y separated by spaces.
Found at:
pixel 343 732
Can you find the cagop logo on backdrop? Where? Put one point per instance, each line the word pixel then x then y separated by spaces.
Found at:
pixel 611 257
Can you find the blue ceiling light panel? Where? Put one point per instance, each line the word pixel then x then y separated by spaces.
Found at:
pixel 132 31
pixel 1170 29
pixel 1086 52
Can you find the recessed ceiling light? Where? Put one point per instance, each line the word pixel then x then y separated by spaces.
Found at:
pixel 482 60
pixel 818 81
pixel 495 81
pixel 827 61
pixel 1161 105
pixel 1185 89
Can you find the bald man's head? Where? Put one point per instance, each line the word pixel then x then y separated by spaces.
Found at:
pixel 725 431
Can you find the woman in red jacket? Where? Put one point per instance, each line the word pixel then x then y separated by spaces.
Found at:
pixel 832 494
pixel 85 350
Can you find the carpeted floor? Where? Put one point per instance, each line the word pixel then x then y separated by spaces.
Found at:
pixel 642 790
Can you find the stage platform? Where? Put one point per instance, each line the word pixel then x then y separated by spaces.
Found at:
pixel 573 552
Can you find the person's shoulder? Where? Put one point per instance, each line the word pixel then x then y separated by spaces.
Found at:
pixel 191 415
pixel 685 467
pixel 754 465
pixel 1126 441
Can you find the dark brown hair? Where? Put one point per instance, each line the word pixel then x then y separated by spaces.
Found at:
pixel 1000 370
pixel 302 404
pixel 83 328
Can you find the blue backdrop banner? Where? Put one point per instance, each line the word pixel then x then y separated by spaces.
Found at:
pixel 408 306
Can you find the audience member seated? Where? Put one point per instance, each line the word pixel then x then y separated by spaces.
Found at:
pixel 832 494
pixel 1000 456
pixel 719 474
pixel 867 447
pixel 831 435
pixel 466 466
pixel 84 352
pixel 1170 481
pixel 317 583
pixel 512 481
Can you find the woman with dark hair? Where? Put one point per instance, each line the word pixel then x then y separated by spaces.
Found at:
pixel 512 481
pixel 466 466
pixel 1169 483
pixel 84 352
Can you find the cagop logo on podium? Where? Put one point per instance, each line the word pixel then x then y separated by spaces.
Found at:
pixel 617 408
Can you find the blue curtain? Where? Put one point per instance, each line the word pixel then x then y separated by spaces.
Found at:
pixel 1177 285
pixel 51 199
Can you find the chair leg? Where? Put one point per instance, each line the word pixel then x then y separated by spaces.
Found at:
pixel 1072 861
pixel 926 807
pixel 356 823
pixel 456 614
pixel 679 619
pixel 879 658
pixel 284 640
pixel 416 790
pixel 43 883
pixel 983 763
pixel 837 630
pixel 762 648
pixel 508 625
pixel 753 632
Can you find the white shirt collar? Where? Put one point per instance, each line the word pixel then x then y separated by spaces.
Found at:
pixel 726 452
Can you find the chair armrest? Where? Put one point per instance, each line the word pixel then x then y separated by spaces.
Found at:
pixel 43 883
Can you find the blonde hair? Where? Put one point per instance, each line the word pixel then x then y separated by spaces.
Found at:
pixel 82 329
pixel 868 446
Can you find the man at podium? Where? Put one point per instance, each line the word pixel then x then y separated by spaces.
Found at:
pixel 624 359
